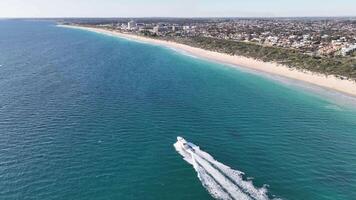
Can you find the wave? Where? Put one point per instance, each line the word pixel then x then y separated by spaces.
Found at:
pixel 182 52
pixel 220 180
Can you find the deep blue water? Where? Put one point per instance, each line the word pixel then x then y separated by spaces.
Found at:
pixel 88 116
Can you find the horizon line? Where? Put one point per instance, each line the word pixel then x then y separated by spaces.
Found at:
pixel 181 17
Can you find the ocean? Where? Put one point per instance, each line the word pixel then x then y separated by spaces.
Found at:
pixel 89 116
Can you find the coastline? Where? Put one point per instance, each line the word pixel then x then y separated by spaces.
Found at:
pixel 331 82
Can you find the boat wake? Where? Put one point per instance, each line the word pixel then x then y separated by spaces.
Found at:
pixel 220 180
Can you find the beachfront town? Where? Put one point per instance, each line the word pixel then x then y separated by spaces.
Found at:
pixel 318 37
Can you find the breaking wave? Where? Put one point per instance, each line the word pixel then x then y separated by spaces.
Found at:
pixel 220 180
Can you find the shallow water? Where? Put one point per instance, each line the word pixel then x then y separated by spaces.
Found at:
pixel 88 116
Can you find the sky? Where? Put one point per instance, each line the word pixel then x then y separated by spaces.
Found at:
pixel 176 8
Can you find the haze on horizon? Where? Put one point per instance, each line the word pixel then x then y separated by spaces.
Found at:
pixel 175 8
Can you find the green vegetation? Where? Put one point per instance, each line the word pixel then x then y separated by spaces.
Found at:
pixel 340 66
pixel 343 67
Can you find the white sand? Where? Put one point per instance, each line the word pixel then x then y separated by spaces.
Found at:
pixel 329 82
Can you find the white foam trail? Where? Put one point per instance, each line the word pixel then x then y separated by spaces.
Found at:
pixel 210 184
pixel 229 186
pixel 207 181
pixel 220 180
pixel 236 177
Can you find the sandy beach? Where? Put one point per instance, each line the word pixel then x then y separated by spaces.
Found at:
pixel 330 82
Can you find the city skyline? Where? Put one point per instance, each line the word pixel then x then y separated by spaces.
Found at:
pixel 174 8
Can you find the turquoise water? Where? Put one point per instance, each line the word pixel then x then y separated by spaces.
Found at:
pixel 88 116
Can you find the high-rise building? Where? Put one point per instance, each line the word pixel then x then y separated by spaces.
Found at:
pixel 156 29
pixel 131 25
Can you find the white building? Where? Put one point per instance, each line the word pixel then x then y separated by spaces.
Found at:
pixel 159 29
pixel 348 50
pixel 156 29
pixel 177 28
pixel 131 25
pixel 186 28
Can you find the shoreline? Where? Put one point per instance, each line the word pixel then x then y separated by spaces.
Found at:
pixel 330 82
